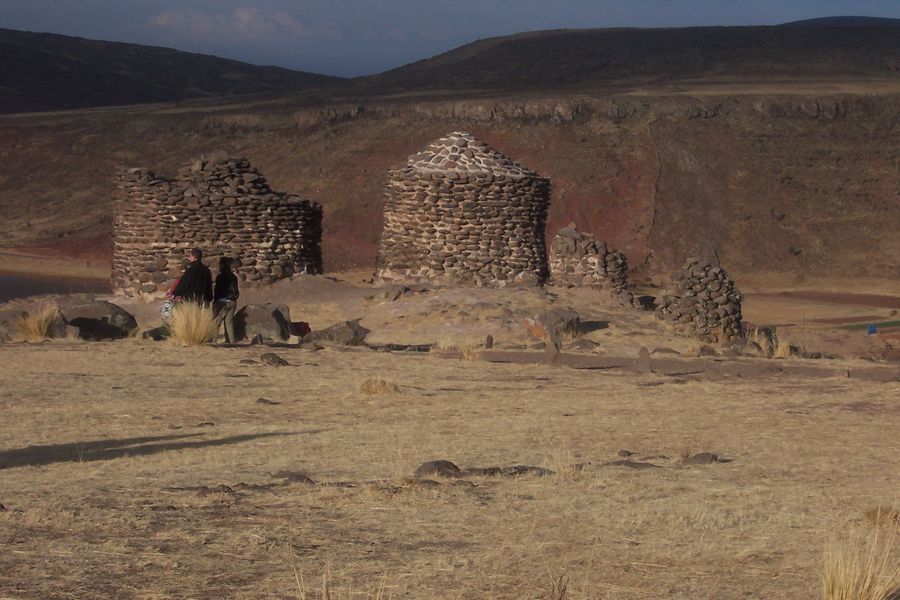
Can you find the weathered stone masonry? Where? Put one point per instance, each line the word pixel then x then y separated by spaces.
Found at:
pixel 221 205
pixel 705 301
pixel 462 213
pixel 577 259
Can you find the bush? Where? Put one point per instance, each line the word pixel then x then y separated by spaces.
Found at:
pixel 193 324
pixel 859 567
pixel 34 327
pixel 377 385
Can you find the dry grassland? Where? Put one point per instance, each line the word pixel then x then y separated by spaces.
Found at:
pixel 111 456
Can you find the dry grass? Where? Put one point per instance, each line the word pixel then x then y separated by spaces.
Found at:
pixel 193 324
pixel 93 492
pixel 467 347
pixel 883 516
pixel 860 567
pixel 378 386
pixel 36 326
pixel 330 589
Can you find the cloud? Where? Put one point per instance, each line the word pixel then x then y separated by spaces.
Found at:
pixel 245 23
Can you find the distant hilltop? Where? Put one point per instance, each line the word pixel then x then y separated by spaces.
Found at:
pixel 846 22
pixel 45 71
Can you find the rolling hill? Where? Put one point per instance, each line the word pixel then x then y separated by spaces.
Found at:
pixel 592 59
pixel 777 145
pixel 43 71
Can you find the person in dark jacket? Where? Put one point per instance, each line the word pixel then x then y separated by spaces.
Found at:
pixel 226 295
pixel 195 284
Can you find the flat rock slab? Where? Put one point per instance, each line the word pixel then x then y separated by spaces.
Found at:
pixel 680 366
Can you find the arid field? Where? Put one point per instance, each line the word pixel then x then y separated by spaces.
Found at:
pixel 139 469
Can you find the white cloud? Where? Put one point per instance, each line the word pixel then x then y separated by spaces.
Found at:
pixel 246 23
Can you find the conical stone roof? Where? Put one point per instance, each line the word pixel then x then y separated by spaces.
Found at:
pixel 462 152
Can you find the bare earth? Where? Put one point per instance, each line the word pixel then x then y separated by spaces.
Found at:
pixel 112 456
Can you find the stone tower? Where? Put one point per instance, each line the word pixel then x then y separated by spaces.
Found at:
pixel 460 212
pixel 221 205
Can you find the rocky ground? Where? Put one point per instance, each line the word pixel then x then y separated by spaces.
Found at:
pixel 141 469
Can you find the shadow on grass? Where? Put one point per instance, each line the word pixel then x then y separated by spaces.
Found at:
pixel 36 456
pixel 591 326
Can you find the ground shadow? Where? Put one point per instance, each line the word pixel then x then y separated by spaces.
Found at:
pixel 35 456
pixel 591 326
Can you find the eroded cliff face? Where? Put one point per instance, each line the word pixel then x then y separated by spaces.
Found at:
pixel 788 184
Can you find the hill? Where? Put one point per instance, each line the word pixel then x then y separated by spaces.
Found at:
pixel 589 59
pixel 792 178
pixel 42 71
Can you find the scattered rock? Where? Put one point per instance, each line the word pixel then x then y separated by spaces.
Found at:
pixel 582 345
pixel 704 458
pixel 625 453
pixel 271 322
pixel 631 464
pixel 157 334
pixel 100 320
pixel 248 361
pixel 513 471
pixel 348 333
pixel 665 351
pixel 441 468
pixel 294 477
pixel 270 358
pixel 561 322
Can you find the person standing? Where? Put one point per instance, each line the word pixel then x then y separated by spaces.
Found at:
pixel 226 295
pixel 195 284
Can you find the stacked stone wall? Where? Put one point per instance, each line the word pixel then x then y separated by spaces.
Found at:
pixel 704 301
pixel 222 206
pixel 578 259
pixel 464 215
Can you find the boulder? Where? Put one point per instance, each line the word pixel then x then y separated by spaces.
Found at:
pixel 100 320
pixel 265 321
pixel 348 333
pixel 558 322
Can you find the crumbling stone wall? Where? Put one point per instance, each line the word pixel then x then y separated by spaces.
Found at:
pixel 462 213
pixel 221 205
pixel 578 259
pixel 705 301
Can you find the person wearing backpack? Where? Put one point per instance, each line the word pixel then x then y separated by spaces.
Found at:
pixel 226 294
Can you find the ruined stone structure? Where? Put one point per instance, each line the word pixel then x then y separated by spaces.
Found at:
pixel 578 259
pixel 462 213
pixel 705 301
pixel 221 205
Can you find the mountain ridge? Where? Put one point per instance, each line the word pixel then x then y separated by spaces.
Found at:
pixel 48 71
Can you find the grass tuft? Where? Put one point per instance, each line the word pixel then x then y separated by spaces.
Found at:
pixel 468 349
pixel 193 324
pixel 34 327
pixel 859 567
pixel 378 385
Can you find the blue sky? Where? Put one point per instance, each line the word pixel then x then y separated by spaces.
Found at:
pixel 358 37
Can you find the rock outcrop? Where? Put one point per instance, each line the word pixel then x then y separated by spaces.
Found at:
pixel 462 213
pixel 221 205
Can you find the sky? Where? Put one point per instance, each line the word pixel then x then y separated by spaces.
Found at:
pixel 360 37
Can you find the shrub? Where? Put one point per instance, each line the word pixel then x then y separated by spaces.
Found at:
pixel 378 385
pixel 859 567
pixel 193 324
pixel 37 326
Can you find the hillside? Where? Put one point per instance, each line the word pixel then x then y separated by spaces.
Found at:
pixel 793 180
pixel 600 58
pixel 42 71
